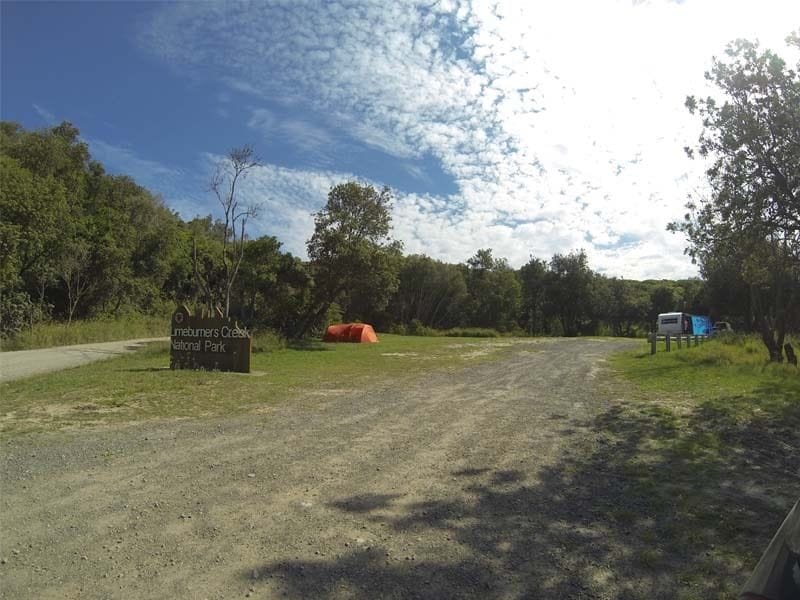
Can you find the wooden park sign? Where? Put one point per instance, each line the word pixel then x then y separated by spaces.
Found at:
pixel 214 343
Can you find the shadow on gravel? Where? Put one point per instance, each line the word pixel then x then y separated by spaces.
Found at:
pixel 365 503
pixel 651 504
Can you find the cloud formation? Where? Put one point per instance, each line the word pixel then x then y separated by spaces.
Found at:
pixel 167 181
pixel 562 124
pixel 46 115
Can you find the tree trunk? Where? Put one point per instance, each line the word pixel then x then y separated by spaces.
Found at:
pixel 775 351
pixel 311 316
pixel 765 329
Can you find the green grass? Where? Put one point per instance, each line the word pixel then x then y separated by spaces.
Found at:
pixel 47 335
pixel 707 441
pixel 728 366
pixel 140 386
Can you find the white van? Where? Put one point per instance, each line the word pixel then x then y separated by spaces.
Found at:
pixel 674 323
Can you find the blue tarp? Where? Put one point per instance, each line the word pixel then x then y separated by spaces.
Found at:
pixel 701 325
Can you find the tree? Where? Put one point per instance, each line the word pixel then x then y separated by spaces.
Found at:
pixel 231 171
pixel 73 270
pixel 34 211
pixel 273 287
pixel 430 291
pixel 663 299
pixel 629 307
pixel 752 139
pixel 351 252
pixel 494 291
pixel 533 276
pixel 569 291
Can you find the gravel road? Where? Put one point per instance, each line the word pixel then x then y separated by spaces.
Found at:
pixel 457 486
pixel 24 363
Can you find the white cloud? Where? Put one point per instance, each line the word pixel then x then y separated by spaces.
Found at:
pixel 317 144
pixel 562 123
pixel 287 199
pixel 168 182
pixel 45 114
pixel 126 160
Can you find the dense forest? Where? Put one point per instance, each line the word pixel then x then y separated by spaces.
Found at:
pixel 80 243
pixel 77 242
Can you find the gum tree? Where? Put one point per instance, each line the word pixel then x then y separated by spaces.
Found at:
pixel 230 173
pixel 751 138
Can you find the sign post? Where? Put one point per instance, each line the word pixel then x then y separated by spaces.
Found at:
pixel 213 343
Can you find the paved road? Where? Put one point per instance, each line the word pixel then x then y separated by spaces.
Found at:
pixel 24 363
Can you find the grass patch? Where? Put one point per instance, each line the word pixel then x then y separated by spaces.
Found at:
pixel 707 443
pixel 140 386
pixel 47 335
pixel 724 367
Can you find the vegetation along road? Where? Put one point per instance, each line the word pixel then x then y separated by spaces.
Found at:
pixel 511 478
pixel 24 363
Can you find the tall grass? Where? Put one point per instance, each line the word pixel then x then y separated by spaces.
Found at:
pixel 47 335
pixel 731 365
pixel 418 329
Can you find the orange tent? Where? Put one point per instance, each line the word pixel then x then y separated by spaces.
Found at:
pixel 351 332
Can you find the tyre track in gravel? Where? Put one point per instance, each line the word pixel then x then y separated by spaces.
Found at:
pixel 356 495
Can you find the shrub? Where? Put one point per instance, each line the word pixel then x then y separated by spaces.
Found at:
pixel 417 328
pixel 18 313
pixel 46 335
pixel 479 332
pixel 268 340
pixel 398 329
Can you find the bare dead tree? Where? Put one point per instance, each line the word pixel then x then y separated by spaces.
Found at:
pixel 229 174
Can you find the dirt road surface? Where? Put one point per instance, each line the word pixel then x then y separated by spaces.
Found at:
pixel 462 485
pixel 24 363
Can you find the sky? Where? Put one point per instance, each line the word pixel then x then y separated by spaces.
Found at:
pixel 531 128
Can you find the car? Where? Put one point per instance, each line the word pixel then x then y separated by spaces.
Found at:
pixel 721 327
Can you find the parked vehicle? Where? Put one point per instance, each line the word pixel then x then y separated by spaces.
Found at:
pixel 721 327
pixel 674 323
pixel 679 323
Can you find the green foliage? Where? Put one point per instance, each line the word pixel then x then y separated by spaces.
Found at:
pixel 17 312
pixel 471 332
pixel 430 291
pixel 570 291
pixel 731 366
pixel 79 244
pixel 534 280
pixel 109 329
pixel 494 291
pixel 629 308
pixel 747 232
pixel 353 260
pixel 415 327
pixel 34 210
pixel 273 288
pixel 76 242
pixel 268 340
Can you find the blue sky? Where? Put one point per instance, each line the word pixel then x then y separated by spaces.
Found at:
pixel 531 128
